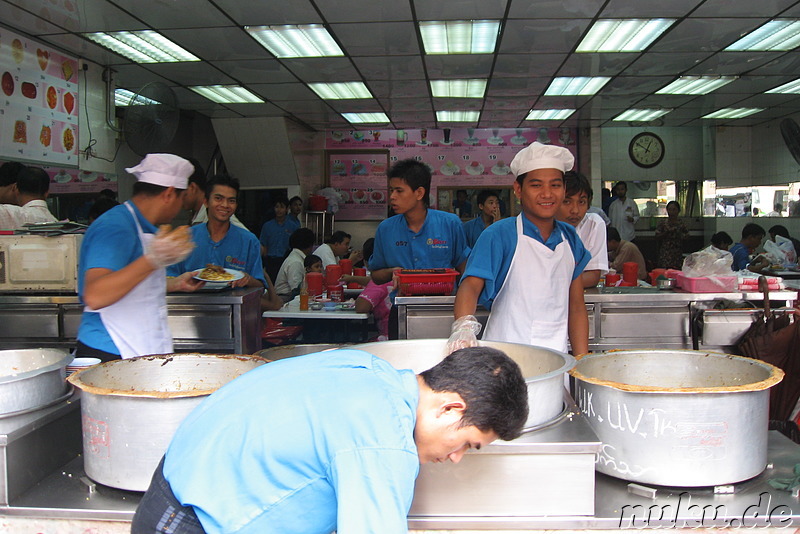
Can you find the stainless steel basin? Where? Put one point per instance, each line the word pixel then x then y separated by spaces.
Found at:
pixel 31 377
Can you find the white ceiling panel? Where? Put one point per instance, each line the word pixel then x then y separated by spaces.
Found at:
pixel 699 35
pixel 399 89
pixel 327 69
pixel 21 20
pixel 596 64
pixel 133 77
pixel 172 14
pixel 191 73
pixel 205 43
pixel 378 39
pixel 517 87
pixel 459 66
pixel 732 63
pixel 525 65
pixel 648 8
pixel 660 63
pixel 283 91
pixel 80 47
pixel 712 8
pixel 344 11
pixel 545 36
pixel 459 9
pixel 555 9
pixel 391 68
pixel 256 71
pixel 83 16
pixel 266 13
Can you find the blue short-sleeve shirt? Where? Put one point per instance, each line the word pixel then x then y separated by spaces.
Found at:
pixel 473 230
pixel 741 257
pixel 492 255
pixel 111 242
pixel 440 243
pixel 238 250
pixel 275 235
pixel 314 461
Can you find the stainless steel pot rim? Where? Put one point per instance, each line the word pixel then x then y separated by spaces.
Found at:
pixel 70 392
pixel 63 362
pixel 775 374
pixel 75 378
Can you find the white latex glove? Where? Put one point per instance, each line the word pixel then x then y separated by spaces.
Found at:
pixel 463 333
pixel 168 247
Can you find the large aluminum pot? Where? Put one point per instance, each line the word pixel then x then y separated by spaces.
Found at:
pixel 288 351
pixel 131 408
pixel 677 417
pixel 542 368
pixel 31 377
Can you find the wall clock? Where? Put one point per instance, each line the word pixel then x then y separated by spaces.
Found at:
pixel 646 150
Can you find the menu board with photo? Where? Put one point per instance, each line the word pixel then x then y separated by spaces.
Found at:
pixel 463 157
pixel 39 111
pixel 360 183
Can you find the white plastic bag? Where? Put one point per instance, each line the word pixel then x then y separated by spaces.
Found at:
pixel 710 261
pixel 781 251
pixel 333 198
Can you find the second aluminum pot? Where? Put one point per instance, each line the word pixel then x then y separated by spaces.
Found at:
pixel 542 368
pixel 677 417
pixel 131 408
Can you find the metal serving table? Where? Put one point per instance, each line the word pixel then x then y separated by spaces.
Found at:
pixel 68 495
pixel 225 321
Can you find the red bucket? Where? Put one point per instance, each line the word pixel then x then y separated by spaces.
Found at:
pixel 332 274
pixel 314 283
pixel 317 203
pixel 347 266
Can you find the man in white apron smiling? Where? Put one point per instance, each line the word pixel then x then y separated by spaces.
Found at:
pixel 527 269
pixel 122 281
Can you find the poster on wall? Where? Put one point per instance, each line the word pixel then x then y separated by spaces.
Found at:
pixel 359 179
pixel 39 112
pixel 456 157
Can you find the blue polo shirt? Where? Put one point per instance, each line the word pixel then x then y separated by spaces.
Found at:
pixel 238 250
pixel 440 243
pixel 741 257
pixel 275 235
pixel 473 230
pixel 492 255
pixel 314 460
pixel 111 242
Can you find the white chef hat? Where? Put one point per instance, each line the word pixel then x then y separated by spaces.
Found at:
pixel 539 156
pixel 166 170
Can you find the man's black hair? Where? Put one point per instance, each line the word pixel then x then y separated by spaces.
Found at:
pixel 490 384
pixel 310 260
pixel 9 172
pixel 198 177
pixel 100 206
pixel 107 193
pixel 415 173
pixel 301 239
pixel 368 248
pixel 612 234
pixel 33 181
pixel 674 202
pixel 752 230
pixel 721 238
pixel 337 237
pixel 576 183
pixel 780 230
pixel 283 200
pixel 484 195
pixel 291 200
pixel 222 179
pixel 620 183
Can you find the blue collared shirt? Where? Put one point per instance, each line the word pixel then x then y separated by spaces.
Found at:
pixel 741 257
pixel 275 236
pixel 279 450
pixel 492 255
pixel 238 250
pixel 440 243
pixel 111 242
pixel 473 230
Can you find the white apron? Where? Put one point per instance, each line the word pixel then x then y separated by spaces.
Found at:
pixel 532 306
pixel 137 323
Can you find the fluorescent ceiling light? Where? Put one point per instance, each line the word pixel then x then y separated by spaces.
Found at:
pixel 307 40
pixel 123 97
pixel 576 86
pixel 549 114
pixel 366 118
pixel 142 46
pixel 459 36
pixel 227 94
pixel 341 90
pixel 787 88
pixel 623 35
pixel 776 35
pixel 641 115
pixel 458 88
pixel 732 113
pixel 695 85
pixel 458 116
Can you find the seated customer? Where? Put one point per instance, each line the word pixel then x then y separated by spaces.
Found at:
pixel 721 240
pixel 752 235
pixel 33 186
pixel 335 247
pixel 221 243
pixel 293 270
pixel 590 227
pixel 622 252
pixel 375 298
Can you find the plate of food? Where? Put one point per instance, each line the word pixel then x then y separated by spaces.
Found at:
pixel 216 275
pixel 500 169
pixel 376 197
pixel 474 168
pixel 449 169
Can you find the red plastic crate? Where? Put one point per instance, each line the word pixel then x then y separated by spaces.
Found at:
pixel 426 281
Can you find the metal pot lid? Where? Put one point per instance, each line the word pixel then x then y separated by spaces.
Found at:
pixel 51 360
pixel 770 375
pixel 86 379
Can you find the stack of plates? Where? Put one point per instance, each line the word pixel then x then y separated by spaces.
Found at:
pixel 81 363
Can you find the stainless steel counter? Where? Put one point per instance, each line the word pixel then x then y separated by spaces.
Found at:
pixel 227 321
pixel 68 495
pixel 618 317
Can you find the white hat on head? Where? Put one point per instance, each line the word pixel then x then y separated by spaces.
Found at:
pixel 166 170
pixel 539 156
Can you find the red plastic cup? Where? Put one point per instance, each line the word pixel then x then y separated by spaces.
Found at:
pixel 630 272
pixel 359 271
pixel 612 279
pixel 347 266
pixel 336 292
pixel 332 274
pixel 314 281
pixel 353 285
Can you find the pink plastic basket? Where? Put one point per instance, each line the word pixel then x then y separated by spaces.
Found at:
pixel 426 281
pixel 717 284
